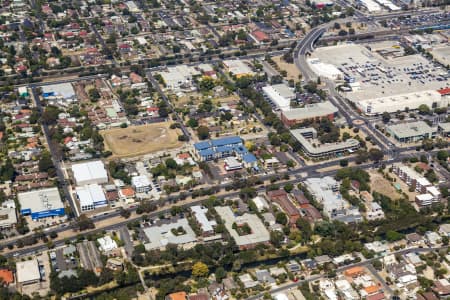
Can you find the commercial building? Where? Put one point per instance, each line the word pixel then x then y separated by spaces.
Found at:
pixel 259 233
pixel 411 132
pixel 179 77
pixel 279 95
pixel 310 112
pixel 401 102
pixel 220 148
pixel 141 183
pixel 158 237
pixel 206 225
pixel 106 244
pixel 60 91
pixel 90 173
pixel 8 217
pixel 325 191
pixel 232 164
pixel 28 272
pixel 444 129
pixel 411 177
pixel 313 148
pixel 238 68
pixel 41 203
pixel 90 196
pixel 324 69
pixel 370 5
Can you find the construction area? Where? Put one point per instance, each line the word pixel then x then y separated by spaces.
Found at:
pixel 140 140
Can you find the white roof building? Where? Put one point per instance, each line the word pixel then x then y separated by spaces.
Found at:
pixel 180 76
pixel 91 196
pixel 238 68
pixel 158 237
pixel 63 91
pixel 370 5
pixel 259 233
pixel 41 203
pixel 140 183
pixel 90 172
pixel 28 272
pixel 324 70
pixel 260 203
pixel 7 217
pixel 394 103
pixel 107 244
pixel 280 95
pixel 200 215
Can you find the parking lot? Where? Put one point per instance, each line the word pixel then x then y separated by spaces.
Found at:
pixel 373 75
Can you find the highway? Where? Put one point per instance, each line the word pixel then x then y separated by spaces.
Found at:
pixel 294 174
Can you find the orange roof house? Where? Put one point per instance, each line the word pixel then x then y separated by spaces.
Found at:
pixel 177 296
pixel 353 272
pixel 371 289
pixel 6 276
pixel 127 192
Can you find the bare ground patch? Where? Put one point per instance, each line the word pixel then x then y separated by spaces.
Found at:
pixel 139 140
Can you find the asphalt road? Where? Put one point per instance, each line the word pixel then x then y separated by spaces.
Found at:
pixel 54 155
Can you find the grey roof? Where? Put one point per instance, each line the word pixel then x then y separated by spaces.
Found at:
pixel 311 111
pixel 323 149
pixel 161 236
pixel 405 130
pixel 445 126
pixel 259 232
pixel 40 200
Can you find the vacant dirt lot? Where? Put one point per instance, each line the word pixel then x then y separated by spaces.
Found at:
pixel 382 185
pixel 291 69
pixel 139 140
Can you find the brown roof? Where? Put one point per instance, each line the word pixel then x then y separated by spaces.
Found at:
pixel 276 194
pixel 199 297
pixel 427 296
pixel 379 296
pixel 287 206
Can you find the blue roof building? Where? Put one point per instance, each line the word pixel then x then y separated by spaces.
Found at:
pixel 220 148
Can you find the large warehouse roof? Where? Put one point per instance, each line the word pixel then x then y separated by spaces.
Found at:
pixel 64 90
pixel 90 194
pixel 28 271
pixel 405 130
pixel 40 200
pixel 90 172
pixel 280 95
pixel 311 111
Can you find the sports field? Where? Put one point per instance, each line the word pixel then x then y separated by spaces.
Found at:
pixel 140 140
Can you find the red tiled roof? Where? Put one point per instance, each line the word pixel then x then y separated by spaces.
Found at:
pixel 260 36
pixel 445 91
pixel 7 276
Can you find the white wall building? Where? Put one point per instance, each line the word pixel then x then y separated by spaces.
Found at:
pixel 279 95
pixel 141 184
pixel 107 244
pixel 91 196
pixel 394 103
pixel 89 173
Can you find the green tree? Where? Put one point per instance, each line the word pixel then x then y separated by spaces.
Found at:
pixel 281 218
pixel 386 117
pixel 200 269
pixel 203 132
pixel 376 154
pixel 192 123
pixel 424 109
